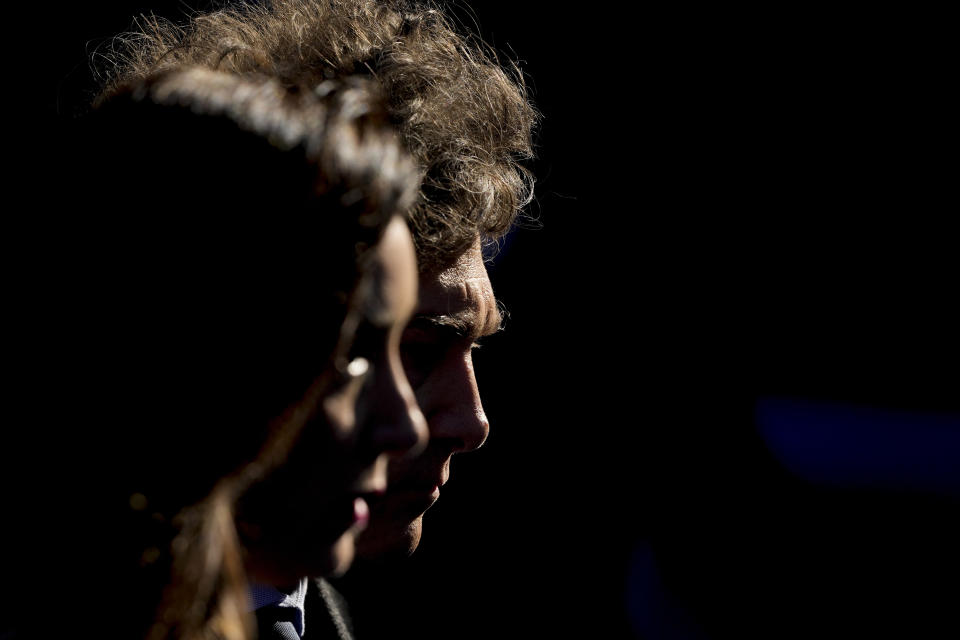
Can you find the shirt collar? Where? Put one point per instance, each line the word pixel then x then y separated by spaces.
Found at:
pixel 264 595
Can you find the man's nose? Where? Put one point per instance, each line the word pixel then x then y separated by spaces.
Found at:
pixel 451 402
pixel 399 426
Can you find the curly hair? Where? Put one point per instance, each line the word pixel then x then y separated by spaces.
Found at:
pixel 466 120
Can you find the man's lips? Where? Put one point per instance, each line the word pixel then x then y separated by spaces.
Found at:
pixel 414 489
pixel 420 481
pixel 426 487
pixel 408 498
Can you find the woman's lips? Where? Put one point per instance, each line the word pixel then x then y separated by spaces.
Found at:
pixel 361 513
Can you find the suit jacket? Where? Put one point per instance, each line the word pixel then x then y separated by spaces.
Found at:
pixel 325 617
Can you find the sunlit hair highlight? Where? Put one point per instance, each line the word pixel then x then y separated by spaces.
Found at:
pixel 465 118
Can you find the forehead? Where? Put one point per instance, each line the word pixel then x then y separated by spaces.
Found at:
pixel 394 269
pixel 461 295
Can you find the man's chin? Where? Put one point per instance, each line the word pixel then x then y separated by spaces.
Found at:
pixel 389 541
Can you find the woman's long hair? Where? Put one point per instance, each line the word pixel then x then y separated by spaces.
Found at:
pixel 223 247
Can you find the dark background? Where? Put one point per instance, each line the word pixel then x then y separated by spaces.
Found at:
pixel 731 205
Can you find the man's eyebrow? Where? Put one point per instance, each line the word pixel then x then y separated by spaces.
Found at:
pixel 462 325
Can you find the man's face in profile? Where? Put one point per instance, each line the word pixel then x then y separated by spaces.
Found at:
pixel 456 307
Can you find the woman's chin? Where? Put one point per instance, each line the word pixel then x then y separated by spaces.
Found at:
pixel 341 555
pixel 279 568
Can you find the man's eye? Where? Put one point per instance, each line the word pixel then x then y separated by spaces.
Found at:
pixel 421 352
pixel 419 359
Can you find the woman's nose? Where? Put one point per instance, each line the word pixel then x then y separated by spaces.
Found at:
pixel 397 424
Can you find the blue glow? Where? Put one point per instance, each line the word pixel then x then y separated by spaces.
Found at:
pixel 850 445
